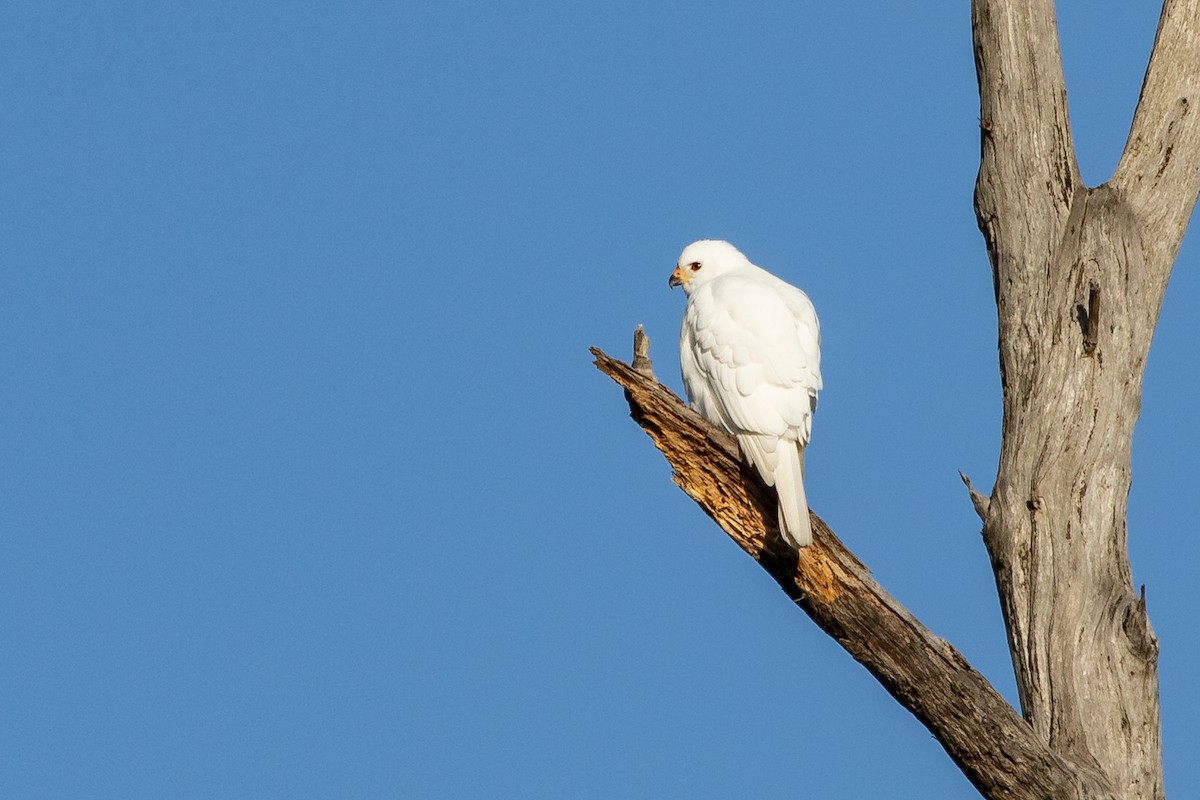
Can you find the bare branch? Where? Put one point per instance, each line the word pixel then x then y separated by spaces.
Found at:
pixel 1027 152
pixel 1160 168
pixel 641 353
pixel 995 748
pixel 980 502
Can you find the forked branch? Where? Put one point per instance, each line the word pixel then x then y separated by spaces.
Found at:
pixel 1079 276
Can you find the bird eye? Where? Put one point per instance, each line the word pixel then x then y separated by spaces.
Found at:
pixel 695 266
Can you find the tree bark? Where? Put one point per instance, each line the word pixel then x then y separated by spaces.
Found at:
pixel 1079 276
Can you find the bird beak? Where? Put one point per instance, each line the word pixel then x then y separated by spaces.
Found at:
pixel 676 279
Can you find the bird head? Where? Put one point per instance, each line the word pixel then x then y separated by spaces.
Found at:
pixel 704 260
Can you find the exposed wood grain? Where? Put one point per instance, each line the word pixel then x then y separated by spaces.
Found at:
pixel 996 749
pixel 1159 171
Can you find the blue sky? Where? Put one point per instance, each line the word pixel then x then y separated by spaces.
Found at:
pixel 309 488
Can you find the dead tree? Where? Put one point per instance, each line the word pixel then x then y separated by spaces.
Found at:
pixel 1079 278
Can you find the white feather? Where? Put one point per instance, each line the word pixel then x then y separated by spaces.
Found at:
pixel 751 361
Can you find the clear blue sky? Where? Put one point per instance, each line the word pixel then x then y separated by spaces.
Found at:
pixel 309 489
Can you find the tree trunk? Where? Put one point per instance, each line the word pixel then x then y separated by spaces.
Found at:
pixel 1079 277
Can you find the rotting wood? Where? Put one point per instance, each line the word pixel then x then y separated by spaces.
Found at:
pixel 981 732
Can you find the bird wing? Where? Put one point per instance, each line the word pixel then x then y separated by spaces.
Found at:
pixel 751 356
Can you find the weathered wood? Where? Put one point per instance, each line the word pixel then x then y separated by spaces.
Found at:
pixel 996 749
pixel 1079 276
pixel 1159 171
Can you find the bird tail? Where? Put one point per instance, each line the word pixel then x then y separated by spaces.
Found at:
pixel 794 523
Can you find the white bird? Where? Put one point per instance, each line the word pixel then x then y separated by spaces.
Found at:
pixel 750 353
